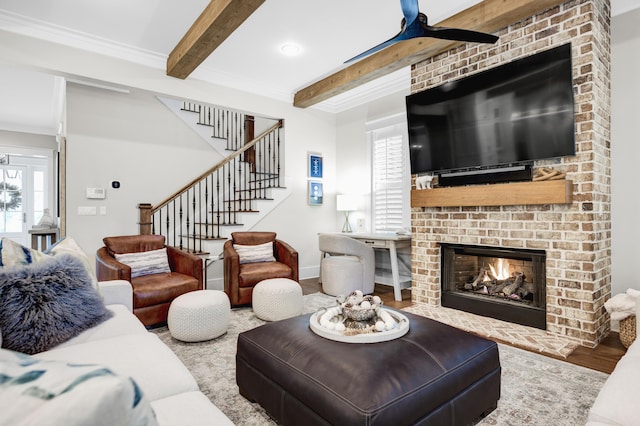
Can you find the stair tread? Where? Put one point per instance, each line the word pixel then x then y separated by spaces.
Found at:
pixel 203 237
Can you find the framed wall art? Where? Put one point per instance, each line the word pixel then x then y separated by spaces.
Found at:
pixel 315 165
pixel 315 193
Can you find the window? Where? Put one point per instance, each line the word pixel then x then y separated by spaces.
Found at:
pixel 391 177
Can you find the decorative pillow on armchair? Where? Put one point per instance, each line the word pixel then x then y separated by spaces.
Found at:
pixel 256 253
pixel 37 392
pixel 145 262
pixel 46 303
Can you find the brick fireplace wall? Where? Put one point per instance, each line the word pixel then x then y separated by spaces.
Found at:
pixel 576 236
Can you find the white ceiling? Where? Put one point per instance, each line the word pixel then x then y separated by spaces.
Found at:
pixel 145 31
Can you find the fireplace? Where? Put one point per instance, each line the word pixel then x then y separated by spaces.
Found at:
pixel 503 283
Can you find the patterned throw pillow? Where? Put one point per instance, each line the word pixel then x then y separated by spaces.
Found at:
pixel 145 262
pixel 14 254
pixel 36 392
pixel 257 253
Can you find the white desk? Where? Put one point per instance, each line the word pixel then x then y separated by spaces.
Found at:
pixel 391 242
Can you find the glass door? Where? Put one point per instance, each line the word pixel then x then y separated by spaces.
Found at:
pixel 13 219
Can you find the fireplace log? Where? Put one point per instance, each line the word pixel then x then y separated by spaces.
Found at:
pixel 498 287
pixel 510 288
pixel 478 279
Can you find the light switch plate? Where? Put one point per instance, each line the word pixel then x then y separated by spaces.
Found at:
pixel 87 211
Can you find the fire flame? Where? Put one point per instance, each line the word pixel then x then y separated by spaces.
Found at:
pixel 502 272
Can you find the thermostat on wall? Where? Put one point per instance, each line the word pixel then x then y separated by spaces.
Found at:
pixel 96 193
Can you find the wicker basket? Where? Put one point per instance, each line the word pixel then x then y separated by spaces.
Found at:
pixel 628 330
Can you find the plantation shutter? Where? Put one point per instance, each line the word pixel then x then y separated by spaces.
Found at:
pixel 390 180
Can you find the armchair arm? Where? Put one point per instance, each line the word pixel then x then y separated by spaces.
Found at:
pixel 231 263
pixel 117 292
pixel 108 268
pixel 287 255
pixel 185 263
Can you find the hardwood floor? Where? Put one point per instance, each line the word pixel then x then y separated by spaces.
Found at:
pixel 603 357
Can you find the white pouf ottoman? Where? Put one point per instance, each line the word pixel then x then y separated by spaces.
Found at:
pixel 277 299
pixel 199 315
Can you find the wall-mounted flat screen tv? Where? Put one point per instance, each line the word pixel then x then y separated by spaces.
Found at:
pixel 514 113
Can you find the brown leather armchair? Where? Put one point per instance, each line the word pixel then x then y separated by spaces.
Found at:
pixel 153 293
pixel 240 278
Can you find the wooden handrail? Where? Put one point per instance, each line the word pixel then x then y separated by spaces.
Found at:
pixel 226 160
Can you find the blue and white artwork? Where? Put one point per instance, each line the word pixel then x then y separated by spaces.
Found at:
pixel 315 193
pixel 315 166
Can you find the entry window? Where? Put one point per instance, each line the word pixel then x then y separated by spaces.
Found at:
pixel 39 194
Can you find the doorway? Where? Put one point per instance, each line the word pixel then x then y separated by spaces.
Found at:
pixel 27 183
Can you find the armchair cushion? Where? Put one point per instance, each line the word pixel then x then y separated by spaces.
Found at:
pixel 255 253
pixel 146 262
pixel 47 303
pixel 251 274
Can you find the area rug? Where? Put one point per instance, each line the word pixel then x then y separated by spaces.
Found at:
pixel 529 338
pixel 535 389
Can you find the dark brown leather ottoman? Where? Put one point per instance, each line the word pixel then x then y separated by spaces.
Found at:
pixel 433 375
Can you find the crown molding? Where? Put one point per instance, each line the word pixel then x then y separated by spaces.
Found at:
pixel 20 24
pixel 35 28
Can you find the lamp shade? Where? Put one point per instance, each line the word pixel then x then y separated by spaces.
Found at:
pixel 346 203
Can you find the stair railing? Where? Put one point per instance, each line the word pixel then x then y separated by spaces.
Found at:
pixel 196 212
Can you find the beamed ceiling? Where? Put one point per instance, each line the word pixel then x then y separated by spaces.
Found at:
pixel 221 18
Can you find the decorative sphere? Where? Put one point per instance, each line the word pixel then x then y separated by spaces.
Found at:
pixel 377 300
pixel 380 326
pixel 365 305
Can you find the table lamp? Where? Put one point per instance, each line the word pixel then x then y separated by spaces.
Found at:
pixel 346 203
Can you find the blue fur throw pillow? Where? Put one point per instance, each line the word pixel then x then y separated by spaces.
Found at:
pixel 46 303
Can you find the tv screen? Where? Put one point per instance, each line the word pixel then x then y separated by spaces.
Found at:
pixel 512 114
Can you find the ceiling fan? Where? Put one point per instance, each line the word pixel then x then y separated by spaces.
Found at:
pixel 415 24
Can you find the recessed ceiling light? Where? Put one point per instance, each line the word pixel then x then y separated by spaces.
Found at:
pixel 290 49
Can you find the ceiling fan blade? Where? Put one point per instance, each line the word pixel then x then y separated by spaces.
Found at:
pixel 459 34
pixel 415 25
pixel 376 48
pixel 410 10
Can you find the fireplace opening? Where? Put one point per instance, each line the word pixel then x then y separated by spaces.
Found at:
pixel 502 283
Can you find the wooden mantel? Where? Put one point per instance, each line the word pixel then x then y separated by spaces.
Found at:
pixel 503 194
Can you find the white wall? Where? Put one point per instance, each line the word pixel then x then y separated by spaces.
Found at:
pixel 131 138
pixel 353 162
pixel 99 153
pixel 625 151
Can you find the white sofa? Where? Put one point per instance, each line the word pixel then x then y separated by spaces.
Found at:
pixel 617 402
pixel 124 345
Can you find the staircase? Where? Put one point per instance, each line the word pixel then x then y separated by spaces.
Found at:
pixel 233 195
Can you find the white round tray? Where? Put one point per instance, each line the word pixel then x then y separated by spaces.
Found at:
pixel 375 337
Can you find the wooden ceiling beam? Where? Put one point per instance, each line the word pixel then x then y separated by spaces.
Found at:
pixel 488 16
pixel 219 19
